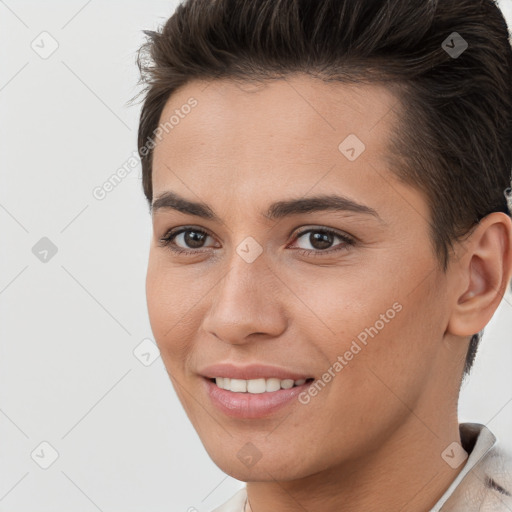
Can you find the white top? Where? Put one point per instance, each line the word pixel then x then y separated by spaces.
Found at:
pixel 483 485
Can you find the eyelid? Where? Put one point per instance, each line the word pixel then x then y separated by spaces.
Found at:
pixel 172 233
pixel 167 240
pixel 345 237
pixel 338 232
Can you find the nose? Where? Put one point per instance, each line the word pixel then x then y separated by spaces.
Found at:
pixel 246 302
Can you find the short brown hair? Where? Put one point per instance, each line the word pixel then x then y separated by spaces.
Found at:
pixel 454 138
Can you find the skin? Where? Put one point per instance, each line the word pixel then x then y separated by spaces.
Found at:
pixel 372 438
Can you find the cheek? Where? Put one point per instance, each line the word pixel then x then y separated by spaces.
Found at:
pixel 341 304
pixel 170 308
pixel 373 319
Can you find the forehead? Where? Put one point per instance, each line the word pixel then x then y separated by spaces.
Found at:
pixel 300 114
pixel 253 139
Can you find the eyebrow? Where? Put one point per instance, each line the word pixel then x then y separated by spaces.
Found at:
pixel 277 210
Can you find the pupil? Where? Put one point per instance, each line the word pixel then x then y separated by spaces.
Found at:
pixel 193 239
pixel 320 240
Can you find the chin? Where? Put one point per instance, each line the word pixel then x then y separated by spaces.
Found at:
pixel 265 469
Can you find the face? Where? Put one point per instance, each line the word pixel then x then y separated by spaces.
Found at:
pixel 309 260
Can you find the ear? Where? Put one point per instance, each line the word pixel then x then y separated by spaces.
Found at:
pixel 483 273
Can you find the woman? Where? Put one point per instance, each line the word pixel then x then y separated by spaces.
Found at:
pixel 328 184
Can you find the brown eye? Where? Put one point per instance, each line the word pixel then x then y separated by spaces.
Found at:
pixel 194 239
pixel 322 239
pixel 183 239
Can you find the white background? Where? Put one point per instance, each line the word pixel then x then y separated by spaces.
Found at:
pixel 68 374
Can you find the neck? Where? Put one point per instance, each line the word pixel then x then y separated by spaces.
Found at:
pixel 407 473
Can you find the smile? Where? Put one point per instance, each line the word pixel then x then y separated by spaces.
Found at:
pixel 257 386
pixel 250 399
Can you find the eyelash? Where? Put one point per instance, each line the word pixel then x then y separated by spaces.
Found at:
pixel 167 241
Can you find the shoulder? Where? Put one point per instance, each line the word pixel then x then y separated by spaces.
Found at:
pixel 496 479
pixel 487 486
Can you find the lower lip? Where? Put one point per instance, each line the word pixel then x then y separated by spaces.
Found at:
pixel 252 405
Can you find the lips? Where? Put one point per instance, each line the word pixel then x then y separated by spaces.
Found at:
pixel 259 403
pixel 251 372
pixel 246 406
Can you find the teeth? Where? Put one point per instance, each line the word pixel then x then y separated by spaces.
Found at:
pixel 238 385
pixel 256 386
pixel 272 385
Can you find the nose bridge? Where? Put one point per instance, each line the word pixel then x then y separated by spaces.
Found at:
pixel 244 300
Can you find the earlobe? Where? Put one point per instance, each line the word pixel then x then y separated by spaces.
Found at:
pixel 483 275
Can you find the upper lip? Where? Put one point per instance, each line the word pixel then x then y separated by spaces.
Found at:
pixel 253 371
